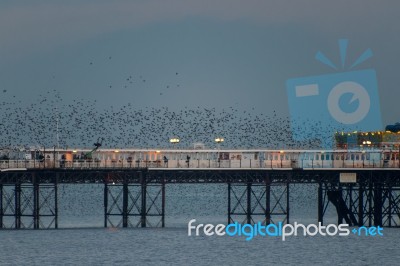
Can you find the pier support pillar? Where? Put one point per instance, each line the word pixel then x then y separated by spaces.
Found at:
pixel 377 204
pixel 370 196
pixel 105 203
pixel 17 204
pixel 125 203
pixel 36 206
pixel 267 200
pixel 287 201
pixel 163 202
pixel 229 203
pixel 143 212
pixel 361 192
pixel 320 204
pixel 56 180
pixel 248 209
pixel 1 206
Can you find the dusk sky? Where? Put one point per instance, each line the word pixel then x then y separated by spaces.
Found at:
pixel 217 53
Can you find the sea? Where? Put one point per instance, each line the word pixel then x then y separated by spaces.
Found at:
pixel 82 239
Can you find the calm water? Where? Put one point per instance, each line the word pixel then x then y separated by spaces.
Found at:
pixel 82 241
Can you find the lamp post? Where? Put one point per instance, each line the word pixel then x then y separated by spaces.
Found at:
pixel 44 157
pixel 322 159
pixel 368 143
pixel 174 141
pixel 363 157
pixel 219 140
pixel 54 156
pixel 281 152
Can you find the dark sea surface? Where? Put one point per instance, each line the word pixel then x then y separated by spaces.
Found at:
pixel 83 241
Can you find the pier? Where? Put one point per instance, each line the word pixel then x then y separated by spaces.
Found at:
pixel 134 196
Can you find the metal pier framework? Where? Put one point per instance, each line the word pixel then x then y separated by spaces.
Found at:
pixel 374 200
pixel 28 200
pixel 135 197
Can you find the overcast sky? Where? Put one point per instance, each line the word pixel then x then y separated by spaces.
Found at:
pixel 211 53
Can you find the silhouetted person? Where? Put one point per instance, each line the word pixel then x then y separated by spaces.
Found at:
pixel 188 160
pixel 165 161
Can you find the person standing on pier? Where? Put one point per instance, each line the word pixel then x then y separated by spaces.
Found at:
pixel 165 161
pixel 188 160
